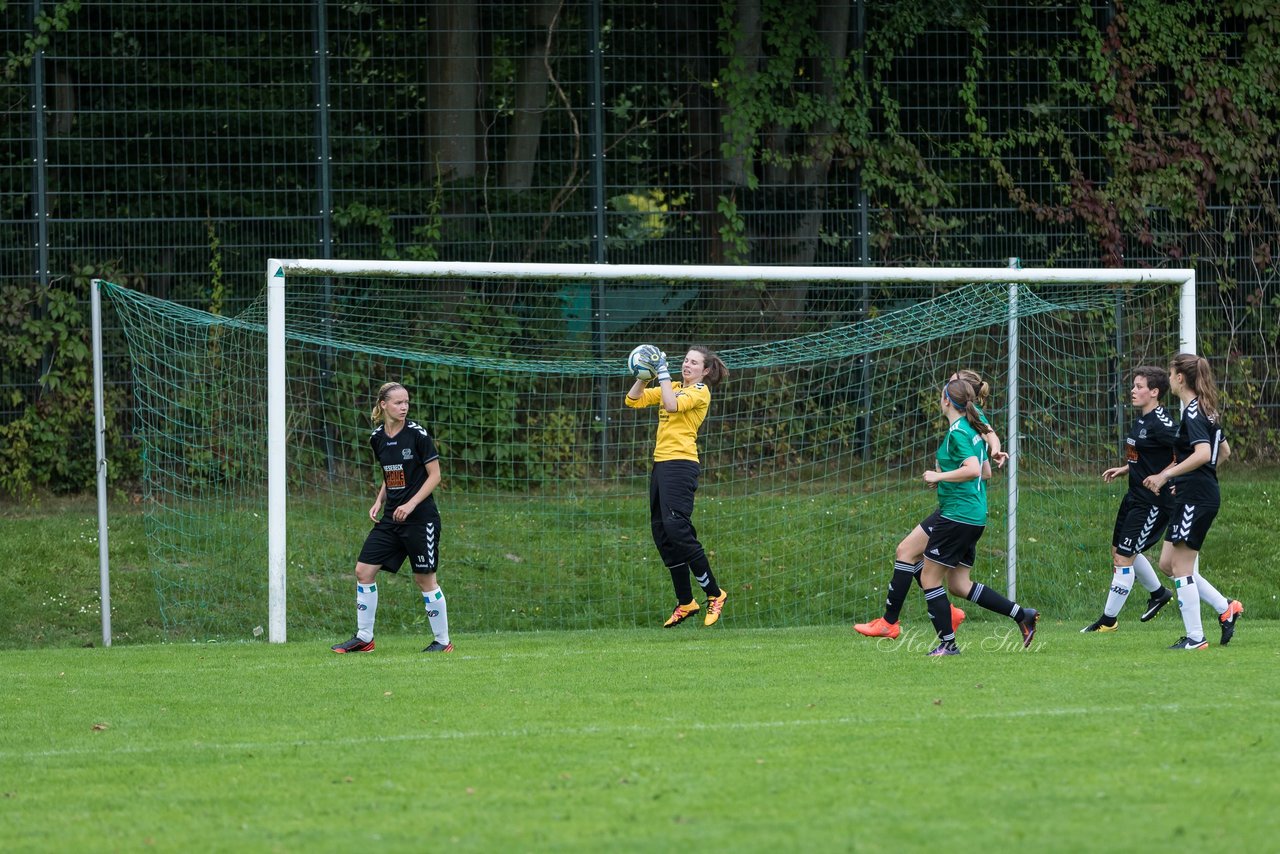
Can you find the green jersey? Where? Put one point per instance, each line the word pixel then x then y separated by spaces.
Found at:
pixel 962 502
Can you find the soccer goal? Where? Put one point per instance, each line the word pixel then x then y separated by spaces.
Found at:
pixel 259 478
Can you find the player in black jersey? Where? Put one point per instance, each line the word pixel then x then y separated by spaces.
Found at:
pixel 405 520
pixel 1198 447
pixel 1143 515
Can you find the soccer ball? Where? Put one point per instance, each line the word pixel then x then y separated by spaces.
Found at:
pixel 643 362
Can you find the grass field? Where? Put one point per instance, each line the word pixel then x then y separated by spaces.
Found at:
pixel 823 560
pixel 719 739
pixel 736 738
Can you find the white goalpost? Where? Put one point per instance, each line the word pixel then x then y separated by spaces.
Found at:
pixel 279 272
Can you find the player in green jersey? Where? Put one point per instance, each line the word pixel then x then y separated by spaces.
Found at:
pixel 956 526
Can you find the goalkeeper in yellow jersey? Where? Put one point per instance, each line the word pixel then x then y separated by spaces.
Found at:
pixel 682 406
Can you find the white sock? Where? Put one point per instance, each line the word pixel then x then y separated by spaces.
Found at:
pixel 437 614
pixel 1145 574
pixel 1121 584
pixel 1189 602
pixel 1208 593
pixel 366 610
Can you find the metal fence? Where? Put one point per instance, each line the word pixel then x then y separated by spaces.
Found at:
pixel 177 145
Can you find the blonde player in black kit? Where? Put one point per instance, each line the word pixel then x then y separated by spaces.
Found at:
pixel 409 525
pixel 1143 515
pixel 1198 448
pixel 674 477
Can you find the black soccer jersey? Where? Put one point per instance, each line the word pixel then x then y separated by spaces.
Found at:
pixel 404 459
pixel 1199 486
pixel 1149 449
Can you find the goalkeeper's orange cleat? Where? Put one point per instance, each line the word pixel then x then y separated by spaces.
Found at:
pixel 714 604
pixel 957 617
pixel 682 613
pixel 879 628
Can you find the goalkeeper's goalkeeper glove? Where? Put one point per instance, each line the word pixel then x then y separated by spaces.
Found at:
pixel 663 373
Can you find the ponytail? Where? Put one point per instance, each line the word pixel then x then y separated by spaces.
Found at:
pixel 1199 378
pixel 961 395
pixel 716 370
pixel 981 388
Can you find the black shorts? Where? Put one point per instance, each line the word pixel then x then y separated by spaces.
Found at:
pixel 1138 526
pixel 1188 523
pixel 951 543
pixel 389 543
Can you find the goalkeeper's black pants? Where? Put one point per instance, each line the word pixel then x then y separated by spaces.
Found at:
pixel 672 484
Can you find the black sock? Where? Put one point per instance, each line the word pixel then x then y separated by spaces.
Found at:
pixel 899 586
pixel 680 580
pixel 987 598
pixel 701 569
pixel 935 599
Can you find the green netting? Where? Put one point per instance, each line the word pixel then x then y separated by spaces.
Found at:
pixel 811 454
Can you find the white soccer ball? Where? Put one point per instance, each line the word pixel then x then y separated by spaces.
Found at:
pixel 643 362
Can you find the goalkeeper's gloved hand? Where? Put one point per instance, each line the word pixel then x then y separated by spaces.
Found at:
pixel 661 366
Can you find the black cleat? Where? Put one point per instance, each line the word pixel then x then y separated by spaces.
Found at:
pixel 353 645
pixel 1157 601
pixel 436 646
pixel 1188 643
pixel 1228 621
pixel 1030 616
pixel 1102 624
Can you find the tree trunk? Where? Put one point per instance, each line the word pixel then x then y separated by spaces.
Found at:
pixel 810 183
pixel 530 97
pixel 737 163
pixel 452 120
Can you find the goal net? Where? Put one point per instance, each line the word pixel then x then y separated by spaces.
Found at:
pixel 257 466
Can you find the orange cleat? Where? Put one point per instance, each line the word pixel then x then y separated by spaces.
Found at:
pixel 879 628
pixel 714 605
pixel 681 613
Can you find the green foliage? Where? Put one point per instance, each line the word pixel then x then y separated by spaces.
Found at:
pixel 733 232
pixel 359 215
pixel 1191 126
pixel 493 446
pixel 1147 136
pixel 50 19
pixel 50 445
pixel 559 446
pixel 217 284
